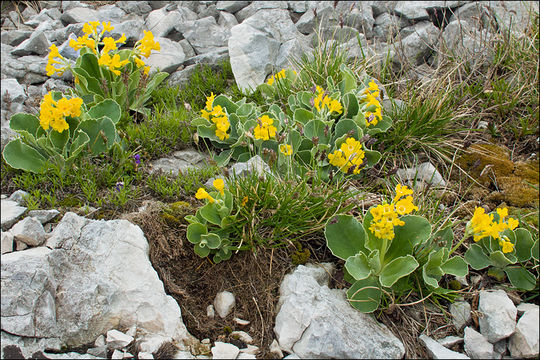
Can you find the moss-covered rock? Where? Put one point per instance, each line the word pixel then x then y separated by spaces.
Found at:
pixel 513 183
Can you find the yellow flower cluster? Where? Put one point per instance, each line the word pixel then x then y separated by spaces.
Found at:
pixel 52 114
pixel 482 225
pixel 219 117
pixel 147 44
pixel 265 129
pixel 372 92
pixel 350 154
pixel 386 216
pixel 322 101
pixel 279 75
pixel 285 149
pixel 53 55
pixel 219 184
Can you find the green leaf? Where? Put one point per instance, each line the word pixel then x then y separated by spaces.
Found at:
pixel 455 266
pixel 59 140
pixel 226 103
pixel 365 295
pixel 431 278
pixel 372 157
pixel 415 231
pixel 195 231
pixel 107 107
pixel 520 278
pixel 396 269
pixel 302 116
pixel 384 124
pixel 23 121
pixel 358 266
pixel 344 127
pixel 316 128
pixel 102 134
pixel 534 250
pixel 223 158
pixel 81 139
pixel 443 238
pixel 498 259
pixel 476 257
pixel 210 214
pixel 212 240
pixel 202 251
pixel 21 156
pixel 349 80
pixel 524 244
pixel 345 237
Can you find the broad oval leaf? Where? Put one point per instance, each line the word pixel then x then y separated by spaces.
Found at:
pixel 476 257
pixel 358 266
pixel 210 214
pixel 521 278
pixel 455 266
pixel 195 231
pixel 365 295
pixel 21 156
pixel 345 236
pixel 24 121
pixel 396 269
pixel 107 107
pixel 523 245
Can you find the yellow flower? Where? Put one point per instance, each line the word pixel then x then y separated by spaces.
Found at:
pixel 147 44
pixel 285 149
pixel 109 43
pixel 270 80
pixel 139 62
pixel 502 213
pixel 210 101
pixel 281 74
pixel 52 114
pixel 222 135
pixel 202 194
pixel 244 201
pixel 265 130
pixel 507 247
pixel 54 53
pixel 350 154
pixel 335 106
pixel 113 63
pixel 372 89
pixel 94 24
pixel 87 29
pixel 512 223
pixel 405 206
pixel 401 191
pixel 219 184
pixel 107 27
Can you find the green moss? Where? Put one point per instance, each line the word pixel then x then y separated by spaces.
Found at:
pixel 300 257
pixel 70 201
pixel 227 330
pixel 174 213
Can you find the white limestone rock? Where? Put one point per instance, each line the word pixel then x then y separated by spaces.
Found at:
pixel 30 231
pixel 7 242
pixel 314 321
pixel 10 212
pixel 117 339
pixel 476 345
pixel 498 315
pixel 524 342
pixel 438 351
pixel 43 216
pixel 224 303
pixel 461 314
pixel 222 350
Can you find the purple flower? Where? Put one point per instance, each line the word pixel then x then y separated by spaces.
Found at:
pixel 119 186
pixel 137 158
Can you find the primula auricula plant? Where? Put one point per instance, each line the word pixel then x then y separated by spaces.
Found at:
pixel 320 129
pixel 102 71
pixel 65 130
pixel 500 244
pixel 209 228
pixel 389 246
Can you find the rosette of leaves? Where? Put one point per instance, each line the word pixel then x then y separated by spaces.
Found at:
pixel 374 266
pixel 131 90
pixel 242 117
pixel 487 252
pixel 209 228
pixel 92 133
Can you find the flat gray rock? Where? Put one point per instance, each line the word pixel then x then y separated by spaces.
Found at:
pixel 43 216
pixel 29 231
pixel 37 44
pixel 10 213
pixel 438 351
pixel 180 161
pixel 7 242
pixel 314 321
pixel 461 314
pixel 168 59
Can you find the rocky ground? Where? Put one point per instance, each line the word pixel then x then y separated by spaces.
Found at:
pixel 74 287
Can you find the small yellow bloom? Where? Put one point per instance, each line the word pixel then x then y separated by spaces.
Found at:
pixel 405 206
pixel 210 102
pixel 265 130
pixel 87 29
pixel 270 80
pixel 147 44
pixel 285 149
pixel 109 43
pixel 107 27
pixel 202 194
pixel 219 184
pixel 507 247
pixel 402 191
pixel 512 223
pixel 139 62
pixel 244 201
